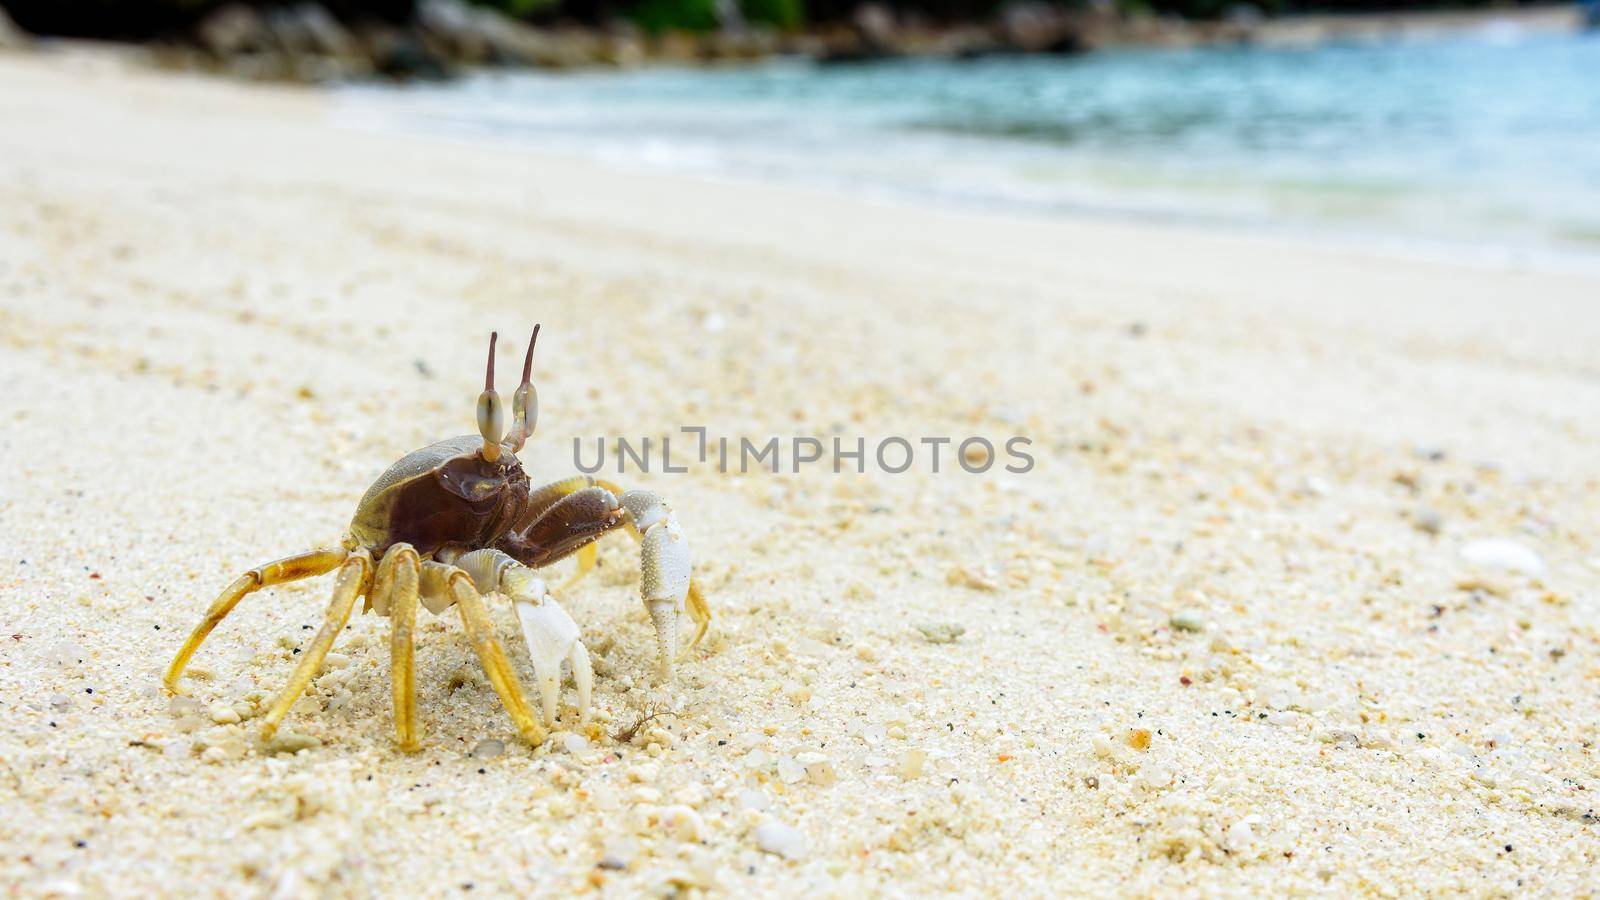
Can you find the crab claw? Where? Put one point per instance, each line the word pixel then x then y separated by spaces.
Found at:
pixel 552 637
pixel 664 616
pixel 664 571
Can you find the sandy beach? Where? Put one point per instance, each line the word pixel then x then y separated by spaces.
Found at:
pixel 1302 594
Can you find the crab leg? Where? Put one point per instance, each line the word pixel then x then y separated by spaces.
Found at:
pixel 440 580
pixel 352 578
pixel 665 582
pixel 541 501
pixel 552 545
pixel 394 594
pixel 652 507
pixel 566 526
pixel 664 571
pixel 293 568
pixel 551 635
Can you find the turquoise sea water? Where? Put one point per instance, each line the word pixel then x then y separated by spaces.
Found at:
pixel 1492 136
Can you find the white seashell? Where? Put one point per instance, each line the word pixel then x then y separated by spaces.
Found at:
pixel 1503 553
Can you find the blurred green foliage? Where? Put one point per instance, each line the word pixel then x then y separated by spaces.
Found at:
pixel 657 16
pixel 521 9
pixel 784 15
pixel 141 19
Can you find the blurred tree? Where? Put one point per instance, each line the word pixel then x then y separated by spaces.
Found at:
pixel 658 16
pixel 144 19
pixel 522 9
pixel 784 15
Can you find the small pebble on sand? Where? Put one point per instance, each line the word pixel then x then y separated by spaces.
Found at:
pixel 790 771
pixel 819 769
pixel 1427 520
pixel 1187 620
pixel 487 749
pixel 1240 836
pixel 961 576
pixel 292 742
pixel 909 764
pixel 941 632
pixel 1503 553
pixel 619 853
pixel 684 823
pixel 781 840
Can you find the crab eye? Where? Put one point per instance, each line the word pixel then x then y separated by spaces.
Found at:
pixel 525 405
pixel 491 412
pixel 491 417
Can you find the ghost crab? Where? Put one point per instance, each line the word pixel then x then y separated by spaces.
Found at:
pixel 455 521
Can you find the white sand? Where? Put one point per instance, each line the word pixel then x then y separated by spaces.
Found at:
pixel 217 311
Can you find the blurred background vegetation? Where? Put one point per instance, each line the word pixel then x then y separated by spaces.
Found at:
pixel 143 19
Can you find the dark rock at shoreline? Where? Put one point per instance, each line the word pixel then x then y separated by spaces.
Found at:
pixel 875 27
pixel 12 37
pixel 401 55
pixel 232 30
pixel 872 34
pixel 454 30
pixel 332 40
pixel 315 31
pixel 1023 26
pixel 1033 26
pixel 476 35
pixel 304 42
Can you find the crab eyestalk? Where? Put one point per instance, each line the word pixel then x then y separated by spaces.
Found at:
pixel 491 410
pixel 525 402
